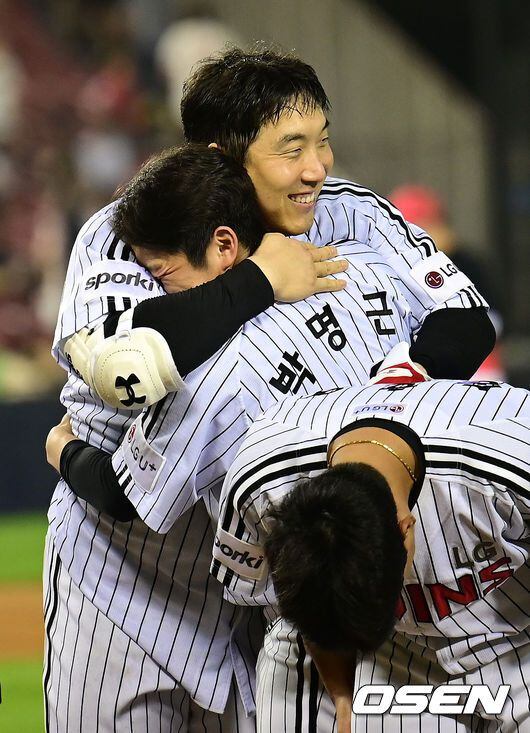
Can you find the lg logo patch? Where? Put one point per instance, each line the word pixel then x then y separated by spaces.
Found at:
pixel 434 279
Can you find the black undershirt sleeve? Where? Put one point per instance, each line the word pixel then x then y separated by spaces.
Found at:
pixel 89 473
pixel 197 322
pixel 452 343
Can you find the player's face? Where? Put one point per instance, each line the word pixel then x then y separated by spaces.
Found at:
pixel 175 272
pixel 288 162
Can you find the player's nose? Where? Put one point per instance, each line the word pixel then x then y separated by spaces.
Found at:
pixel 315 170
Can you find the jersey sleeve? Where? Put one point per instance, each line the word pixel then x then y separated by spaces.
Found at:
pixel 428 279
pixel 238 554
pixel 103 278
pixel 181 448
pixel 271 460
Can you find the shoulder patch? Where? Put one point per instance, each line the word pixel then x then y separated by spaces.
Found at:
pixel 245 559
pixel 439 277
pixel 143 461
pixel 385 408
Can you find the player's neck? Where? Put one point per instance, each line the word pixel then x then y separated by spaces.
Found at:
pixel 385 461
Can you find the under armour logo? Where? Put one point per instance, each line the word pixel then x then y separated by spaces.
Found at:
pixel 127 384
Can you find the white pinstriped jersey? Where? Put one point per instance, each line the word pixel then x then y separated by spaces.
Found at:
pixel 180 449
pixel 128 573
pixel 468 596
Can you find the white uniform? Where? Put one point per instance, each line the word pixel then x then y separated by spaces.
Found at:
pixel 129 574
pixel 464 615
pixel 132 575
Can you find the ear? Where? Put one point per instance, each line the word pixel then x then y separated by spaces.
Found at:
pixel 226 247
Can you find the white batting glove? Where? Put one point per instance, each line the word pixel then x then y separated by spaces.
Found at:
pixel 397 368
pixel 130 370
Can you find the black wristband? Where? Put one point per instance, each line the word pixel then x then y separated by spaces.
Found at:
pixel 88 472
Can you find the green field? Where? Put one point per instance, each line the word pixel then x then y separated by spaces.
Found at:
pixel 21 710
pixel 21 549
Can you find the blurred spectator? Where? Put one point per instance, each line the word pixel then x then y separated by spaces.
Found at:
pixel 37 92
pixel 194 36
pixel 26 371
pixel 422 206
pixel 76 119
pixel 11 83
pixel 112 116
pixel 147 20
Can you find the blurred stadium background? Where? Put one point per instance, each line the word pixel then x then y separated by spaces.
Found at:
pixel 434 94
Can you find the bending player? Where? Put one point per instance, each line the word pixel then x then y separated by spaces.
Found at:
pixel 334 491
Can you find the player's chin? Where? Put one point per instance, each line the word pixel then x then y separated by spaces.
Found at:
pixel 299 224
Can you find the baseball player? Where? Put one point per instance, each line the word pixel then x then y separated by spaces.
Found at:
pixel 333 491
pixel 340 211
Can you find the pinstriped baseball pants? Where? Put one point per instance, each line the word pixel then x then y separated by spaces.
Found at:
pixel 97 680
pixel 291 699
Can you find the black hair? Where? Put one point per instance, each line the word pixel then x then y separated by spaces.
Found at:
pixel 229 98
pixel 337 558
pixel 179 197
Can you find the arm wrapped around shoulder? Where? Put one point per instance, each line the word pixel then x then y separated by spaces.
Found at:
pixel 130 369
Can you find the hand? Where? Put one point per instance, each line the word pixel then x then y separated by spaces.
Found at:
pixel 57 438
pixel 297 270
pixel 397 368
pixel 336 672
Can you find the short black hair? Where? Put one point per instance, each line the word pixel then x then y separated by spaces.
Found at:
pixel 337 558
pixel 229 98
pixel 180 196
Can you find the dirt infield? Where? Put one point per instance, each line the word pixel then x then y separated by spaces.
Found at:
pixel 21 623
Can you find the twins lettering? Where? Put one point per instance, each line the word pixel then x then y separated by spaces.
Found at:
pixel 469 587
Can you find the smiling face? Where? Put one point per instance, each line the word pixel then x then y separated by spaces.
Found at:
pixel 288 163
